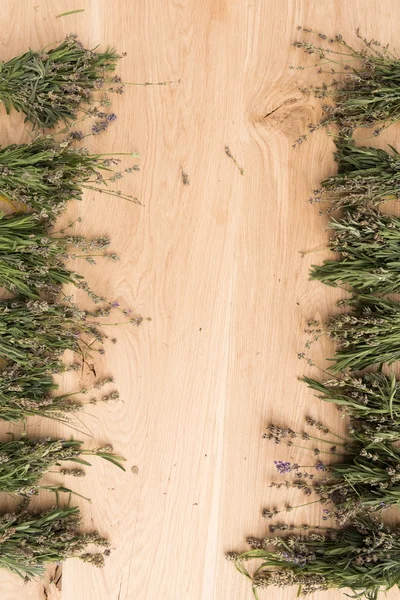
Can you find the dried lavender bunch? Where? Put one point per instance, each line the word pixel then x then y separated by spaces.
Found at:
pixel 368 335
pixel 24 462
pixel 369 244
pixel 34 334
pixel 32 393
pixel 32 263
pixel 366 176
pixel 30 541
pixel 45 174
pixel 52 85
pixel 372 401
pixel 369 93
pixel 364 556
pixel 366 479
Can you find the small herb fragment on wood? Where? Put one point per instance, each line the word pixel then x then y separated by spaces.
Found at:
pixel 229 153
pixel 70 12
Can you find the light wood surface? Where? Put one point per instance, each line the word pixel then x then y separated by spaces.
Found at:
pixel 214 264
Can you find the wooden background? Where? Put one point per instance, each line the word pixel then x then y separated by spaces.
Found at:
pixel 217 267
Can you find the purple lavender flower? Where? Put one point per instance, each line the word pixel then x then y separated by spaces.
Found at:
pixel 111 117
pixel 320 466
pixel 114 304
pixel 76 135
pixel 285 467
pixel 282 467
pixel 99 127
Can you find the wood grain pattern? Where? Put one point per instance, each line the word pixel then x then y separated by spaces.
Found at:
pixel 215 264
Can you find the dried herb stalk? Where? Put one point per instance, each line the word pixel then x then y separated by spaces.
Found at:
pixel 30 541
pixel 364 556
pixel 369 244
pixel 52 85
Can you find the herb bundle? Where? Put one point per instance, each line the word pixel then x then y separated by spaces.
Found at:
pixel 24 462
pixel 365 480
pixel 368 335
pixel 32 262
pixel 364 556
pixel 366 176
pixel 29 541
pixel 52 85
pixel 372 400
pixel 369 93
pixel 35 333
pixel 45 174
pixel 31 393
pixel 369 244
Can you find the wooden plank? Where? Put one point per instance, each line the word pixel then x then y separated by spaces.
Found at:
pixel 214 264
